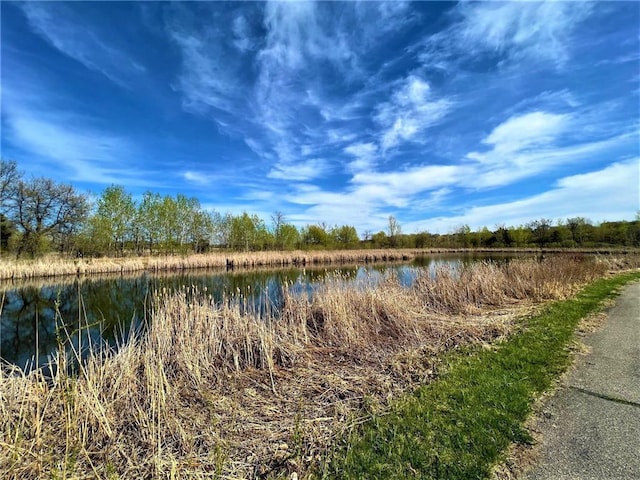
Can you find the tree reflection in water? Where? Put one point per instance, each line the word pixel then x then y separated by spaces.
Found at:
pixel 38 317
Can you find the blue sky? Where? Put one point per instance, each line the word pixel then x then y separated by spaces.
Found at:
pixel 440 114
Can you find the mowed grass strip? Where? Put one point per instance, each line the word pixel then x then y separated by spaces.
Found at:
pixel 460 426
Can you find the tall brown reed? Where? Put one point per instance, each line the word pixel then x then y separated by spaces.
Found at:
pixel 52 266
pixel 485 284
pixel 215 390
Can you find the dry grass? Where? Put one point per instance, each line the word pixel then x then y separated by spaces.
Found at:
pixel 481 285
pixel 55 267
pixel 211 391
pixel 59 267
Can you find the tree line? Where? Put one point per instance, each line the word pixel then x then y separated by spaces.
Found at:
pixel 39 215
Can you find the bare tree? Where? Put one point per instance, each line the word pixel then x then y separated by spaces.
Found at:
pixel 9 177
pixel 394 230
pixel 44 210
pixel 278 220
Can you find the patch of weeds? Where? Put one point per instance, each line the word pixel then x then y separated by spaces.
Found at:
pixel 221 457
pixel 111 471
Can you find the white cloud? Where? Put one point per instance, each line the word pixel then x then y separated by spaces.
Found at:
pixel 413 180
pixel 365 156
pixel 411 110
pixel 65 143
pixel 198 178
pixel 302 170
pixel 539 30
pixel 573 196
pixel 303 42
pixel 521 35
pixel 372 197
pixel 528 144
pixel 611 193
pixel 285 91
pixel 244 38
pixel 620 180
pixel 523 146
pixel 57 23
pixel 59 141
pixel 529 164
pixel 280 106
pixel 209 75
pixel 335 208
pixel 550 100
pixel 87 155
pixel 519 133
pixel 529 130
pixel 91 155
pixel 296 32
pixel 341 136
pixel 259 87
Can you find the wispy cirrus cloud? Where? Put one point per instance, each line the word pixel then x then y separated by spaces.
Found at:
pixel 528 144
pixel 525 145
pixel 343 112
pixel 198 178
pixel 299 32
pixel 372 196
pixel 521 133
pixel 548 101
pixel 274 81
pixel 65 30
pixel 290 102
pixel 305 170
pixel 211 80
pixel 300 41
pixel 80 153
pixel 402 184
pixel 239 72
pixel 365 155
pixel 520 30
pixel 411 110
pixel 504 36
pixel 61 142
pixel 578 195
pixel 506 32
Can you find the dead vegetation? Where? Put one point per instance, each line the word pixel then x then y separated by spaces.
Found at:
pixel 59 267
pixel 213 391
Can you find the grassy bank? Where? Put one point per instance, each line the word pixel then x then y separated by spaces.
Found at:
pixel 460 426
pixel 214 391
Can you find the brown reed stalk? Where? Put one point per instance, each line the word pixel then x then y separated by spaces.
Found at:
pixel 58 267
pixel 215 390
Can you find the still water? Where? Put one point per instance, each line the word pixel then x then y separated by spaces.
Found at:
pixel 37 317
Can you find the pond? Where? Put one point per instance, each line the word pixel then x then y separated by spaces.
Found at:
pixel 38 317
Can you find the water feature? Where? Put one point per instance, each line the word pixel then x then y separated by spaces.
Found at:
pixel 37 317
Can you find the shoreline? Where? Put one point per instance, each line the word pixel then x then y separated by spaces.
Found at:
pixel 49 267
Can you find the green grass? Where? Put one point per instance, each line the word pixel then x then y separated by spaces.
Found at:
pixel 460 426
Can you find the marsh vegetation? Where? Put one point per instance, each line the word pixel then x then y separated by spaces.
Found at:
pixel 108 307
pixel 18 269
pixel 214 390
